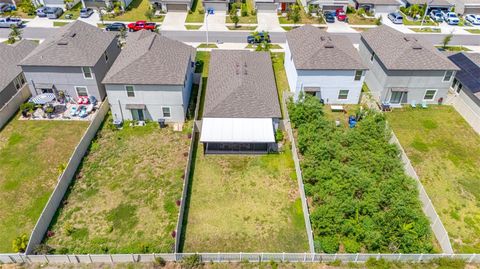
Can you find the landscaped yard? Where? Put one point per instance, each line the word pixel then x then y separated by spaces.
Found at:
pixel 197 13
pixel 74 11
pixel 244 203
pixel 31 156
pixel 355 19
pixel 304 19
pixel 135 12
pixel 125 195
pixel 250 18
pixel 445 152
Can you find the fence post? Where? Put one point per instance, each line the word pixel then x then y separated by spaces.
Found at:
pixel 335 257
pixel 304 257
pixel 399 256
pixel 68 258
pixel 111 259
pixel 471 258
pixel 420 257
pixel 12 259
pixel 261 257
pixel 313 257
pixel 283 257
pixel 218 256
pixel 378 256
pixel 90 258
pixel 356 257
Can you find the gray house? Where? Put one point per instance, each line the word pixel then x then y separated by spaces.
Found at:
pixel 379 6
pixel 242 110
pixel 404 69
pixel 74 60
pixel 151 79
pixel 466 6
pixel 172 5
pixel 11 75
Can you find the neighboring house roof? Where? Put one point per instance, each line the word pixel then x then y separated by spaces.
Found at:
pixel 10 56
pixel 468 75
pixel 151 59
pixel 379 2
pixel 75 44
pixel 433 3
pixel 241 84
pixel 397 51
pixel 315 49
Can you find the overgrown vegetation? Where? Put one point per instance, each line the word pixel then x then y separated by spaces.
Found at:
pixel 361 199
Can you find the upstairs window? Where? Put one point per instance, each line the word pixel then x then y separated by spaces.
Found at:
pixel 358 74
pixel 130 91
pixel 87 72
pixel 448 76
pixel 343 94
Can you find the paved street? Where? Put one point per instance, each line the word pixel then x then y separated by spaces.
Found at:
pixel 241 37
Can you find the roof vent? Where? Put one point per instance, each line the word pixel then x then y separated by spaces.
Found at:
pixel 328 45
pixel 73 34
pixel 416 46
pixel 62 42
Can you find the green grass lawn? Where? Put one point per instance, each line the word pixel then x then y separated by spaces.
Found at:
pixel 192 27
pixel 473 31
pixel 304 19
pixel 355 19
pixel 242 27
pixel 59 23
pixel 31 153
pixel 454 48
pixel 244 203
pixel 75 11
pixel 124 198
pixel 272 46
pixel 280 75
pixel 445 152
pixel 197 13
pixel 135 12
pixel 246 19
pixel 339 115
pixel 426 30
pixel 207 46
pixel 428 21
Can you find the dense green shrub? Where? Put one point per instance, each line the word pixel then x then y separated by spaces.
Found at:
pixel 361 197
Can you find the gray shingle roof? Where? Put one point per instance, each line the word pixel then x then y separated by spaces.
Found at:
pixel 75 44
pixel 241 84
pixel 379 2
pixel 10 56
pixel 434 3
pixel 398 51
pixel 151 59
pixel 316 49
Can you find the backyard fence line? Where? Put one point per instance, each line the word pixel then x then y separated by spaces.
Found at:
pixel 298 170
pixel 181 213
pixel 435 222
pixel 468 109
pixel 231 257
pixel 65 179
pixel 11 107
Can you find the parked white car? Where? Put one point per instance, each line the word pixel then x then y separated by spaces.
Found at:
pixel 473 19
pixel 451 18
pixel 9 22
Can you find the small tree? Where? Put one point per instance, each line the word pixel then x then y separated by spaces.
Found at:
pixel 27 6
pixel 361 12
pixel 149 13
pixel 295 14
pixel 446 40
pixel 15 34
pixel 235 19
pixel 263 46
pixel 378 21
pixel 122 37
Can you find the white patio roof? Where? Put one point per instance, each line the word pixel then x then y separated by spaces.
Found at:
pixel 240 130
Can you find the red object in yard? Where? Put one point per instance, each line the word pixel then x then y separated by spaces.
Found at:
pixel 284 6
pixel 341 16
pixel 141 25
pixel 174 234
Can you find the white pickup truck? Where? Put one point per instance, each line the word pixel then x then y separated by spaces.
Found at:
pixel 8 22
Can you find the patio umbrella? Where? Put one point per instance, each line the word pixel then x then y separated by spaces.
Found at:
pixel 43 98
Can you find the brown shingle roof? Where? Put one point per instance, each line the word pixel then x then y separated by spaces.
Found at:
pixel 316 49
pixel 75 44
pixel 398 51
pixel 241 84
pixel 152 59
pixel 10 56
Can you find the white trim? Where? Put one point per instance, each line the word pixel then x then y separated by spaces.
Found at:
pixel 169 111
pixel 445 74
pixel 126 91
pixel 433 97
pixel 86 88
pixel 83 72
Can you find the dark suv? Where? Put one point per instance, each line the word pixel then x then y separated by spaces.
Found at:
pixel 262 36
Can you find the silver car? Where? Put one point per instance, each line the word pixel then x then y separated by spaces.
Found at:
pixel 86 12
pixel 53 12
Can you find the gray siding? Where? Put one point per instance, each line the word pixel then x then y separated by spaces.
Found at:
pixel 7 93
pixel 66 78
pixel 380 80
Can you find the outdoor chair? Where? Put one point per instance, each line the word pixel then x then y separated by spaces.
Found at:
pixel 424 104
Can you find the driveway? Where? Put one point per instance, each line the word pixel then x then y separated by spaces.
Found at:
pixel 268 21
pixel 216 22
pixel 174 20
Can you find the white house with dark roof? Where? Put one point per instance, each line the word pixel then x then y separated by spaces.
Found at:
pixel 404 69
pixel 324 65
pixel 242 109
pixel 151 79
pixel 73 60
pixel 11 75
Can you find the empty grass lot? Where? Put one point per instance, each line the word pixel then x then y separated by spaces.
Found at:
pixel 445 152
pixel 135 12
pixel 124 197
pixel 31 153
pixel 244 203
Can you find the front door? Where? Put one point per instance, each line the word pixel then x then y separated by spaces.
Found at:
pixel 396 97
pixel 137 114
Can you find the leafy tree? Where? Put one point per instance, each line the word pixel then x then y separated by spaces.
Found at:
pixel 235 19
pixel 20 243
pixel 361 12
pixel 15 34
pixel 446 40
pixel 294 14
pixel 149 13
pixel 27 6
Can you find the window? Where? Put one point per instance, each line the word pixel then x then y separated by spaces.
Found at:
pixel 130 91
pixel 429 95
pixel 343 94
pixel 17 83
pixel 448 76
pixel 81 91
pixel 166 112
pixel 358 74
pixel 372 57
pixel 87 72
pixel 106 56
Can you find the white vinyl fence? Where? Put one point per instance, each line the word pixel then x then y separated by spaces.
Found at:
pixel 468 108
pixel 65 178
pixel 11 107
pixel 231 257
pixel 301 187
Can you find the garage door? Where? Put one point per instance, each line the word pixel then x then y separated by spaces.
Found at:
pixel 266 7
pixel 472 10
pixel 331 8
pixel 385 8
pixel 176 7
pixel 216 6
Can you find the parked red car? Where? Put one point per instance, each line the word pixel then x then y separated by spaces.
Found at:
pixel 141 25
pixel 341 16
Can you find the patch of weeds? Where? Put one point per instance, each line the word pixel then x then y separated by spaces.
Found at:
pixel 454 214
pixel 419 145
pixel 449 263
pixel 79 234
pixel 123 216
pixel 192 261
pixel 169 207
pixel 429 124
pixel 334 263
